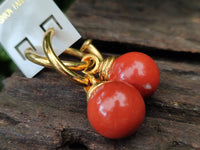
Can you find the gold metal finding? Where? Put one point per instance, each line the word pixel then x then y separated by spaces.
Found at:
pixel 57 63
pixel 104 67
pixel 74 52
pixel 43 61
pixel 100 67
pixel 92 89
pixel 87 46
pixel 91 62
pixel 94 61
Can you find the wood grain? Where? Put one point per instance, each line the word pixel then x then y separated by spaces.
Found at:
pixel 167 25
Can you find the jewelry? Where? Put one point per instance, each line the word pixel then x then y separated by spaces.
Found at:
pixel 114 86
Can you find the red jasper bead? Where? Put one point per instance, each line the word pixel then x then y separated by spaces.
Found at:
pixel 115 109
pixel 137 69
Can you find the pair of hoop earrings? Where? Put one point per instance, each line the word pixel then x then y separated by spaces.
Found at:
pixel 115 86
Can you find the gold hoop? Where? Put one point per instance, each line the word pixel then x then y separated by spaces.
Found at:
pixel 43 61
pixel 87 46
pixel 58 64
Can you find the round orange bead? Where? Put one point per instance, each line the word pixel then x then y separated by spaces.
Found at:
pixel 116 109
pixel 137 69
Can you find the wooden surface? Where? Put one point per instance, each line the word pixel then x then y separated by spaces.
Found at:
pixel 49 112
pixel 167 25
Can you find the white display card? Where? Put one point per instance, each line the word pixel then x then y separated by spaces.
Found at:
pixel 23 24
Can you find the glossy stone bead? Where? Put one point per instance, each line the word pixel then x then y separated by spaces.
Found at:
pixel 137 69
pixel 116 109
